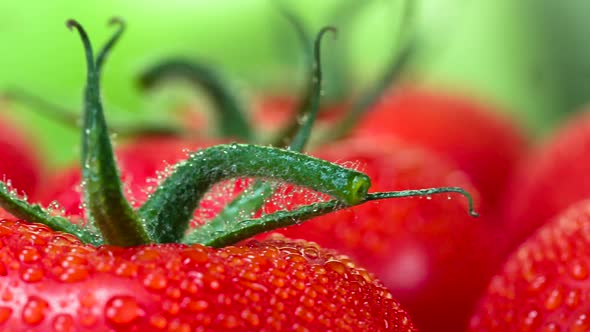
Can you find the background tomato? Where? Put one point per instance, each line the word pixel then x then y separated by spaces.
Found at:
pixel 490 48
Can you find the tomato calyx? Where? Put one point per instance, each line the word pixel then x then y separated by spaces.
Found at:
pixel 295 136
pixel 164 217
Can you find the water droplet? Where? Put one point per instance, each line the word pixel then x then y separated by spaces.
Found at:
pixel 578 270
pixel 537 285
pixel 63 323
pixel 336 266
pixel 34 310
pixel 531 321
pixel 304 314
pixel 155 281
pixel 554 299
pixel 572 300
pixel 158 321
pixel 87 320
pixel 194 256
pixel 582 324
pixel 87 300
pixel 229 321
pixel 126 269
pixel 123 310
pixel 5 314
pixel 174 293
pixel 31 274
pixel 7 295
pixel 250 317
pixel 74 274
pixel 551 327
pixel 171 307
pixel 311 253
pixel 198 305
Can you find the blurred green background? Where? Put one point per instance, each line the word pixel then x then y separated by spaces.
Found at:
pixel 528 57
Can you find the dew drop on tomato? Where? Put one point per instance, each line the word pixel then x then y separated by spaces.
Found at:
pixel 34 310
pixel 158 321
pixel 63 323
pixel 31 274
pixel 581 324
pixel 578 271
pixel 554 299
pixel 29 255
pixel 121 310
pixel 155 281
pixel 5 314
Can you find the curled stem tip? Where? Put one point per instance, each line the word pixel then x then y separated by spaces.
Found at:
pixel 425 192
pixel 120 23
pixel 299 27
pixel 298 132
pixel 317 46
pixel 73 24
pixel 327 29
pixel 116 20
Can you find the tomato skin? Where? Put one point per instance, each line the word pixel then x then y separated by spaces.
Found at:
pixel 52 282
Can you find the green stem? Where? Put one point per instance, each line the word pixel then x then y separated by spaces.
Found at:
pixel 106 48
pixel 304 104
pixel 60 114
pixel 310 111
pixel 424 192
pixel 366 101
pixel 171 206
pixel 339 60
pixel 254 198
pixel 36 214
pixel 232 120
pixel 246 203
pixel 106 204
pixel 299 28
pixel 245 229
pixel 72 118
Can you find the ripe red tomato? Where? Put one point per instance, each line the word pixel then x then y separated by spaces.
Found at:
pixel 551 178
pixel 53 282
pixel 472 134
pixel 544 285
